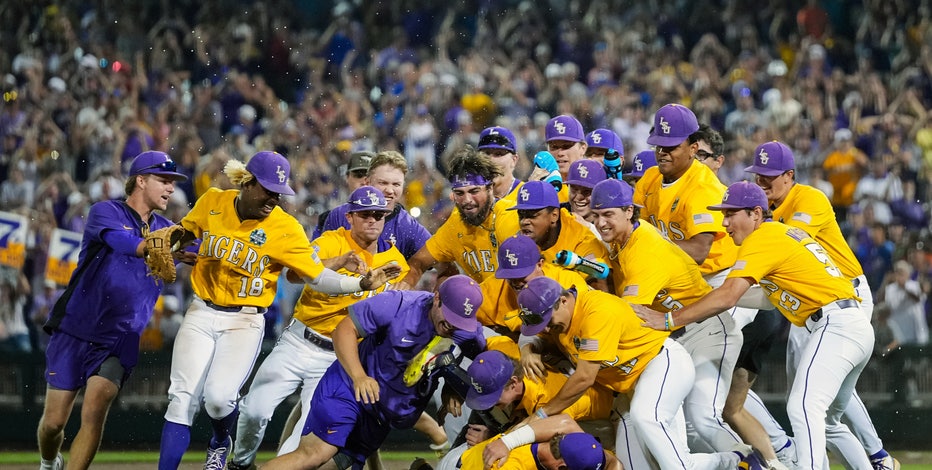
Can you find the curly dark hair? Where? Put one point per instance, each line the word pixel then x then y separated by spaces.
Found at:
pixel 468 160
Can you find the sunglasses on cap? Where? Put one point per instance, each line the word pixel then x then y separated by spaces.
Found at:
pixel 377 215
pixel 529 318
pixel 495 139
pixel 368 202
pixel 168 165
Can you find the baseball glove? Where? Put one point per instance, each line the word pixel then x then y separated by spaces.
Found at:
pixel 158 253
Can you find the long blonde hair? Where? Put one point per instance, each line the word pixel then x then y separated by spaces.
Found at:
pixel 237 173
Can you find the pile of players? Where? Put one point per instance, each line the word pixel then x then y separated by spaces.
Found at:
pixel 582 302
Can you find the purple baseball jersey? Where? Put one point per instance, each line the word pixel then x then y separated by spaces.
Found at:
pixel 114 296
pixel 401 229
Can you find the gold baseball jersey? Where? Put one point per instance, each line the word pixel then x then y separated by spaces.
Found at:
pixel 809 209
pixel 651 270
pixel 576 237
pixel 473 249
pixel 521 458
pixel 322 311
pixel 605 329
pixel 511 198
pixel 595 403
pixel 680 211
pixel 499 308
pixel 794 270
pixel 239 261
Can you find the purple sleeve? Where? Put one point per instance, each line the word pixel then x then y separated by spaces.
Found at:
pixel 411 235
pixel 123 242
pixel 376 312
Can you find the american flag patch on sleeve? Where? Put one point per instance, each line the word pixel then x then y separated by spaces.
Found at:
pixel 630 290
pixel 802 217
pixel 703 218
pixel 586 344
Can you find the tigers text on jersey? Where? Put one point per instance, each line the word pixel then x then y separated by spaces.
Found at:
pixel 680 210
pixel 239 261
pixel 809 209
pixel 605 329
pixel 651 270
pixel 473 248
pixel 795 272
pixel 322 311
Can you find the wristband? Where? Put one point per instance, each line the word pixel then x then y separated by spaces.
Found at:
pixel 668 321
pixel 541 413
pixel 519 437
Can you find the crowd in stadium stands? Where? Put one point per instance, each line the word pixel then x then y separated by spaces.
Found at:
pixel 89 85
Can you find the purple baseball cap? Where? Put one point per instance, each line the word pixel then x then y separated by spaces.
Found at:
pixel 271 170
pixel 497 138
pixel 367 198
pixel 742 195
pixel 536 301
pixel 605 139
pixel 673 123
pixel 585 173
pixel 460 298
pixel 581 451
pixel 536 195
pixel 565 127
pixel 642 161
pixel 488 374
pixel 772 159
pixel 612 193
pixel 155 163
pixel 517 257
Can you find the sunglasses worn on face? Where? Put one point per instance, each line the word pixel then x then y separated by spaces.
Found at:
pixel 702 155
pixel 495 139
pixel 167 166
pixel 377 215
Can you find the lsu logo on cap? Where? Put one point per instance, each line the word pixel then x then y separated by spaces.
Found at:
pixel 596 138
pixel 764 158
pixel 524 194
pixel 467 307
pixel 373 198
pixel 583 171
pixel 475 385
pixel 725 196
pixel 664 125
pixel 512 259
pixel 560 127
pixel 281 174
pixel 638 165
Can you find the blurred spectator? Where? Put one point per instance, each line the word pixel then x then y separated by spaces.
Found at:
pixel 906 301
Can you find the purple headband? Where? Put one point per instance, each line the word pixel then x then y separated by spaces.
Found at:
pixel 470 179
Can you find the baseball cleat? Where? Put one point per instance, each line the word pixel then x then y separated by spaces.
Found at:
pixel 424 359
pixel 217 454
pixel 885 463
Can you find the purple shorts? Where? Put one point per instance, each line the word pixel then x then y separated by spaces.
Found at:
pixel 70 361
pixel 339 420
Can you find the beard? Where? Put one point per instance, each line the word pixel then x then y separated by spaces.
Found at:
pixel 476 220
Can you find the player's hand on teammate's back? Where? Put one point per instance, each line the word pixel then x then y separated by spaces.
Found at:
pixel 652 318
pixel 382 274
pixel 533 364
pixel 494 452
pixel 367 390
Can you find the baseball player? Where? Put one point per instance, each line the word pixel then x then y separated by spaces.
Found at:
pixel 470 237
pixel 604 339
pixel 674 196
pixel 801 280
pixel 583 176
pixel 555 229
pixel 639 164
pixel 356 172
pixel 566 142
pixel 499 144
pixel 605 147
pixel 371 390
pixel 247 241
pixel 711 151
pixel 305 350
pixel 386 172
pixel 519 261
pixel 95 339
pixel 806 207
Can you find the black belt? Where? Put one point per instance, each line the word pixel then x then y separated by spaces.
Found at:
pixel 259 310
pixel 318 340
pixel 843 303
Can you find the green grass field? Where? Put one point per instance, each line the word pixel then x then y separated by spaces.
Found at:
pixel 393 460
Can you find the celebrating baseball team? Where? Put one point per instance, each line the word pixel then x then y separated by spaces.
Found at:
pixel 584 319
